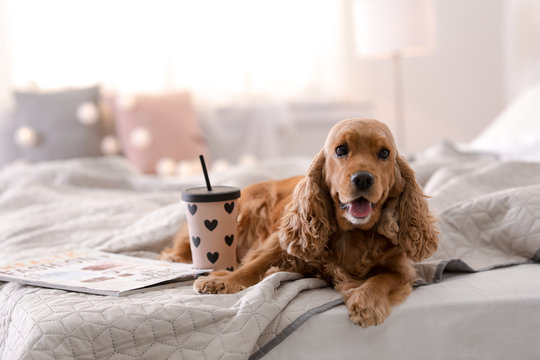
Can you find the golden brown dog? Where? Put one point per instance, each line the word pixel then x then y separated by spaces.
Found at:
pixel 356 220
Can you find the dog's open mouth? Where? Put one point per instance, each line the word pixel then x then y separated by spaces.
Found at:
pixel 359 208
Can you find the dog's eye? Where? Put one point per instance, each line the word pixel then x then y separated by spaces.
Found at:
pixel 342 150
pixel 383 153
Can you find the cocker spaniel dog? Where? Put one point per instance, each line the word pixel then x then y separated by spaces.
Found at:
pixel 357 219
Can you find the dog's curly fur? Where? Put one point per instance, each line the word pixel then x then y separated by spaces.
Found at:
pixel 305 224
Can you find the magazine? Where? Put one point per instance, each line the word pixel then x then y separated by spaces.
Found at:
pixel 98 272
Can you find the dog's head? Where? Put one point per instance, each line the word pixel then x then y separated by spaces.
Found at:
pixel 358 181
pixel 360 171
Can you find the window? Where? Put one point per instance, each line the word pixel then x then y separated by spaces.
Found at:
pixel 218 49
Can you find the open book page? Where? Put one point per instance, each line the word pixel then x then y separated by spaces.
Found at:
pixel 98 272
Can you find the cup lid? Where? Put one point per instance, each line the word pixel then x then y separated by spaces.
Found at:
pixel 218 193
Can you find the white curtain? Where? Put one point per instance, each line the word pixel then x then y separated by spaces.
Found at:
pixel 221 50
pixel 521 58
pixel 5 99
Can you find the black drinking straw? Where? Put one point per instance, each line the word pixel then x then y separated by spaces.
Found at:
pixel 206 178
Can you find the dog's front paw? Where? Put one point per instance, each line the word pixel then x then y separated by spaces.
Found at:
pixel 214 284
pixel 365 309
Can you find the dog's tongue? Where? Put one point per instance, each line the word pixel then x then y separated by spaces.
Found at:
pixel 360 208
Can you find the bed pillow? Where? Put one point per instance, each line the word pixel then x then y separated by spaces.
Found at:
pixel 8 150
pixel 515 133
pixel 53 125
pixel 157 131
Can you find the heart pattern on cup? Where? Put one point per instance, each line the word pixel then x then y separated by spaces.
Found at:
pixel 212 257
pixel 212 237
pixel 211 225
pixel 229 207
pixel 192 208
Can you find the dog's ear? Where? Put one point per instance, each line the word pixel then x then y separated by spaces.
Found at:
pixel 308 220
pixel 406 218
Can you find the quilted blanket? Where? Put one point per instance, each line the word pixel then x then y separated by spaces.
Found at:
pixel 105 204
pixel 488 211
pixel 488 215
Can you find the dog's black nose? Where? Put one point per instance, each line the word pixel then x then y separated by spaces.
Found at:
pixel 362 180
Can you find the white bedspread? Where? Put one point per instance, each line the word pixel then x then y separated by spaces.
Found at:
pixel 488 216
pixel 489 315
pixel 104 204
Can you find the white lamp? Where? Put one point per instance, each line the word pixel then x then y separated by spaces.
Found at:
pixel 396 29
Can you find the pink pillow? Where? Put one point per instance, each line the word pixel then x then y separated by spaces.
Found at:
pixel 153 128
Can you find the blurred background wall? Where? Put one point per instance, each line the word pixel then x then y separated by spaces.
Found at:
pixel 239 52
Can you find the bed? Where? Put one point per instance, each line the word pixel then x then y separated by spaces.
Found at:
pixel 477 297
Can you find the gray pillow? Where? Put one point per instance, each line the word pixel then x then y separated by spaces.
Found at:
pixel 53 125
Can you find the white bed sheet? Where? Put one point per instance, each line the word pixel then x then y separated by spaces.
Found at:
pixel 486 315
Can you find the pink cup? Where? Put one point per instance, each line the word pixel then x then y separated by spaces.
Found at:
pixel 211 217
